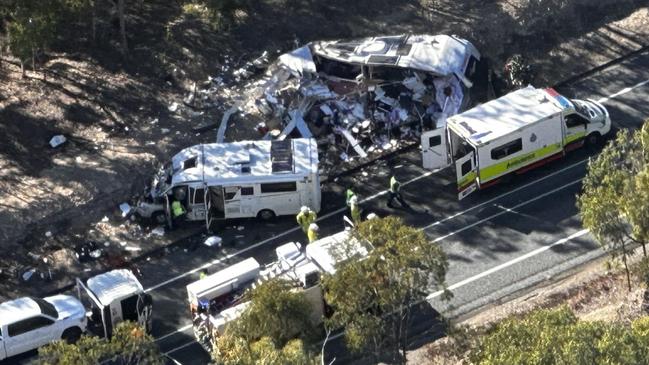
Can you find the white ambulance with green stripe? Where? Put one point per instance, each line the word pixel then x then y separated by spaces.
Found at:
pixel 512 134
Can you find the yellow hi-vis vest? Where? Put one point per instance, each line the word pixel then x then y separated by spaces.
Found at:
pixel 394 185
pixel 177 209
pixel 312 235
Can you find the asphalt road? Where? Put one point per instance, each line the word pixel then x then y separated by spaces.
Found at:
pixel 498 241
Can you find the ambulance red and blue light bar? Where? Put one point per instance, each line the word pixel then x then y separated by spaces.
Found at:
pixel 563 101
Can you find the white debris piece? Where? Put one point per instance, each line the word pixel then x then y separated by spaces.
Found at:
pixel 298 61
pixel 57 140
pixel 352 142
pixel 220 135
pixel 164 130
pixel 125 208
pixel 105 219
pixel 213 241
pixel 158 231
pixel 132 248
pixel 28 274
pixel 48 234
pixel 173 107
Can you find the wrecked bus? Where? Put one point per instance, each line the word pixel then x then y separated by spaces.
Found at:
pixel 511 135
pixel 219 181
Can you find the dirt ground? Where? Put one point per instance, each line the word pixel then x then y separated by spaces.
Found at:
pixel 116 115
pixel 597 291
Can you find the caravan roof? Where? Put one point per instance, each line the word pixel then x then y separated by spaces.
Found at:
pixel 440 54
pixel 507 114
pixel 246 161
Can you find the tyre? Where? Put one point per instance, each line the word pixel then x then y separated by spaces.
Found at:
pixel 266 214
pixel 159 218
pixel 71 335
pixel 593 139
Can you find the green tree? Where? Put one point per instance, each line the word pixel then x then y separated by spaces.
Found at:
pixel 556 336
pixel 372 297
pixel 31 26
pixel 129 345
pixel 273 329
pixel 614 204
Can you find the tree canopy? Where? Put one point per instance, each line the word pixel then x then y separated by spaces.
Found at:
pixel 614 204
pixel 556 336
pixel 372 297
pixel 129 345
pixel 275 328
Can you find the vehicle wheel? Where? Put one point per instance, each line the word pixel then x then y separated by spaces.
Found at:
pixel 159 218
pixel 71 335
pixel 266 214
pixel 593 139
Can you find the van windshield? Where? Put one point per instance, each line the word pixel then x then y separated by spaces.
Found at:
pixel 46 307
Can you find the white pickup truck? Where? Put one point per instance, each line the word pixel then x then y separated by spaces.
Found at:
pixel 29 323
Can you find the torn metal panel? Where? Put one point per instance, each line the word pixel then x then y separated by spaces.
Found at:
pixel 352 142
pixel 298 61
pixel 220 134
pixel 439 54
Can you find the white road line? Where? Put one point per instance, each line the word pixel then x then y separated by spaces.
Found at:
pixel 623 91
pixel 492 270
pixel 180 347
pixel 503 212
pixel 509 263
pixel 181 329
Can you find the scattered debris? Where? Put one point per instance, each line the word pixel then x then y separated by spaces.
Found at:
pixel 158 231
pixel 57 140
pixel 28 274
pixel 173 107
pixel 48 234
pixel 125 208
pixel 213 241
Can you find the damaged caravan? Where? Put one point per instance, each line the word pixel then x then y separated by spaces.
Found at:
pixel 219 181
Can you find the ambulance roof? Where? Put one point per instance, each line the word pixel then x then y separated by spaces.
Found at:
pixel 246 161
pixel 440 54
pixel 509 113
pixel 327 252
pixel 221 282
pixel 114 285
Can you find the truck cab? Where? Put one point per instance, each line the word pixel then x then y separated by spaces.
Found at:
pixel 29 323
pixel 114 297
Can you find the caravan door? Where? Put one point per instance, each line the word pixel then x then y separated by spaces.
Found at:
pixel 433 149
pixel 196 204
pixel 467 177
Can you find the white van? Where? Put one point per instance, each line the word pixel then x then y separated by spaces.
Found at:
pixel 219 181
pixel 512 134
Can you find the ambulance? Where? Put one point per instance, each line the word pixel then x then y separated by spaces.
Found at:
pixel 219 181
pixel 219 298
pixel 511 135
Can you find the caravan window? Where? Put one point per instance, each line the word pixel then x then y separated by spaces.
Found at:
pixel 247 190
pixel 507 149
pixel 198 194
pixel 231 192
pixel 278 187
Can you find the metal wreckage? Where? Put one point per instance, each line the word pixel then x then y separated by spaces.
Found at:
pixel 359 97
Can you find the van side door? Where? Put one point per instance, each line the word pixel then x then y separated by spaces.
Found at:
pixel 574 129
pixel 232 201
pixel 28 334
pixel 248 200
pixel 467 176
pixel 3 351
pixel 197 208
pixel 433 149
